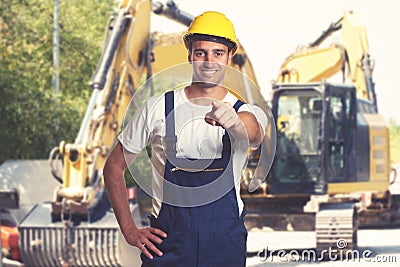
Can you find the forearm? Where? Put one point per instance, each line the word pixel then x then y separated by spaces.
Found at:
pixel 253 129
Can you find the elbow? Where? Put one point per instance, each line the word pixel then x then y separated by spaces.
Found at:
pixel 256 139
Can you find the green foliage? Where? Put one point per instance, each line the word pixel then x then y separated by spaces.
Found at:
pixel 33 119
pixel 394 142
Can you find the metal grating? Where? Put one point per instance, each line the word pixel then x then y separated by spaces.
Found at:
pixel 72 246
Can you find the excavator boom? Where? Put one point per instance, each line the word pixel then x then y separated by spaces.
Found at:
pixel 313 62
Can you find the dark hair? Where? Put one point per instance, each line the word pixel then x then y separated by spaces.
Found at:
pixel 205 37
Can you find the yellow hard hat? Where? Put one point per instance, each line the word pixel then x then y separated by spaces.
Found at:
pixel 212 26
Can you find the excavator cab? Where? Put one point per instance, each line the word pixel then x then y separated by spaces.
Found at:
pixel 315 124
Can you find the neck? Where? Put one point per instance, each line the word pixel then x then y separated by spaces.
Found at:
pixel 203 95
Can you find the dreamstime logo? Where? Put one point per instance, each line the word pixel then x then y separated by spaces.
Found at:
pixel 341 244
pixel 340 253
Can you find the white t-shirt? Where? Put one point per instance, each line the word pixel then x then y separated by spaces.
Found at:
pixel 196 138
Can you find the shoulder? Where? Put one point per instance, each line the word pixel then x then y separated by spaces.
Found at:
pixel 156 104
pixel 153 104
pixel 232 99
pixel 155 100
pixel 260 115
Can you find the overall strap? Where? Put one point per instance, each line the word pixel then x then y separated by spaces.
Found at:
pixel 226 143
pixel 170 137
pixel 237 105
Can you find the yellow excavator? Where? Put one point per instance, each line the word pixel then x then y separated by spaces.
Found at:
pixel 77 227
pixel 331 168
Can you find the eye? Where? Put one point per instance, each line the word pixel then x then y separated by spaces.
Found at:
pixel 199 53
pixel 219 53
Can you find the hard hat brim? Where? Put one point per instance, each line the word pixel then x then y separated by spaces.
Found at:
pixel 191 37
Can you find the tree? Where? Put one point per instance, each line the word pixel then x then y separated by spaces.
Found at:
pixel 32 119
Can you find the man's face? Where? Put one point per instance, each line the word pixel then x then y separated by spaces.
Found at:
pixel 209 61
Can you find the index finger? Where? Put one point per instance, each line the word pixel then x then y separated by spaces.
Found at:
pixel 217 104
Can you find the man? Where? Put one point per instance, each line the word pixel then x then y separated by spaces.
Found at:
pixel 200 136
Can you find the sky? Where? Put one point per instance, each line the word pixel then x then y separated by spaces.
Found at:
pixel 270 30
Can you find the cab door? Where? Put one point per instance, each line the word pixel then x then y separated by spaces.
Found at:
pixel 339 131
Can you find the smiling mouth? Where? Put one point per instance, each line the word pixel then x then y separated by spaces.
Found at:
pixel 209 72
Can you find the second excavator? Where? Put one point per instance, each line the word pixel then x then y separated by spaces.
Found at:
pixel 332 168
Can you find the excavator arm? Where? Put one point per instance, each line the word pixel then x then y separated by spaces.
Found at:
pixel 119 71
pixel 313 63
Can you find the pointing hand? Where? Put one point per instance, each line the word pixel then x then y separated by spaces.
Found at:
pixel 222 114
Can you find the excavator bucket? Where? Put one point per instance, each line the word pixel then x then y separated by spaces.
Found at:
pixel 44 242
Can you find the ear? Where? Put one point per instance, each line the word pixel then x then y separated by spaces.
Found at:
pixel 229 57
pixel 190 57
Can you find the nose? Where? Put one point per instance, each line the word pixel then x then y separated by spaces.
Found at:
pixel 208 60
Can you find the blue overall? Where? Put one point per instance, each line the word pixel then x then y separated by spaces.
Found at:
pixel 199 234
